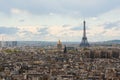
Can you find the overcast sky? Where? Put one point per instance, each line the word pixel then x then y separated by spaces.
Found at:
pixel 51 20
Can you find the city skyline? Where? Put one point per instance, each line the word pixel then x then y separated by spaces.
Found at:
pixel 53 20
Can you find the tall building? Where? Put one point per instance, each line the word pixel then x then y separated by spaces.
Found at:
pixel 9 44
pixel 14 43
pixel 59 45
pixel 84 42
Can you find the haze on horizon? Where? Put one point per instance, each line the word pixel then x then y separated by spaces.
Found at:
pixel 51 20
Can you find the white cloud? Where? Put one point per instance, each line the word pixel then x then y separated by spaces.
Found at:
pixel 18 11
pixel 56 15
pixel 112 32
pixel 32 29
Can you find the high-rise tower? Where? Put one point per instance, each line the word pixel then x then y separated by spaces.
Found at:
pixel 84 42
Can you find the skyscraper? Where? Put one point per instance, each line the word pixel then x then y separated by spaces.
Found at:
pixel 84 42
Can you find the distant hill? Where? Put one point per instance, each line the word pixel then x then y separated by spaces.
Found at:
pixel 112 42
pixel 107 43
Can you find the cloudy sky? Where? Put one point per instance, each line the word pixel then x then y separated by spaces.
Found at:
pixel 51 20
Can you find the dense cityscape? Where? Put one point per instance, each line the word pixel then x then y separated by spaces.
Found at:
pixel 59 39
pixel 60 61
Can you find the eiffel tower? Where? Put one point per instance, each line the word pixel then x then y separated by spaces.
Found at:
pixel 84 42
